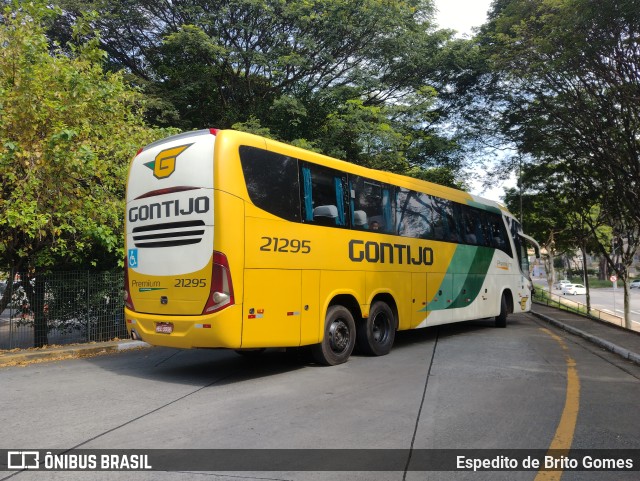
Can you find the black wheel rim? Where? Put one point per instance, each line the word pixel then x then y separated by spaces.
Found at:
pixel 339 336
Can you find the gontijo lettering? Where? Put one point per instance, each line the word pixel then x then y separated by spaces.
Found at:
pixel 169 208
pixel 384 252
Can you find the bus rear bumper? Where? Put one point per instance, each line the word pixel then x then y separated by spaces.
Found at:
pixel 222 329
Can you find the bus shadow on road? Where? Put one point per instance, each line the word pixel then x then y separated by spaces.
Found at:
pixel 197 366
pixel 222 366
pixel 430 333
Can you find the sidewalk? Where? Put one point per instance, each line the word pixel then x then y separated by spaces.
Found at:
pixel 18 357
pixel 621 341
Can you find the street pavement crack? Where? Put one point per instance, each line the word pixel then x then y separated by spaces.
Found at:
pixel 424 395
pixel 137 418
pixel 131 421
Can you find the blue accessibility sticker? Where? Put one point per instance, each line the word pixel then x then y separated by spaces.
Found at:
pixel 133 257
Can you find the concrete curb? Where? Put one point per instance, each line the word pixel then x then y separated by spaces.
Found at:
pixel 609 346
pixel 66 352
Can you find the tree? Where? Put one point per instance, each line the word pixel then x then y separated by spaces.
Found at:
pixel 357 80
pixel 555 213
pixel 571 96
pixel 545 208
pixel 67 132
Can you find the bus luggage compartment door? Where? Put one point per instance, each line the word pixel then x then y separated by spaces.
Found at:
pixel 271 312
pixel 439 298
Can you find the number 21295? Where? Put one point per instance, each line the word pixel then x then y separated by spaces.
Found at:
pixel 281 244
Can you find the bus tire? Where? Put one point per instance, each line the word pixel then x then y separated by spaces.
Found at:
pixel 339 337
pixel 501 319
pixel 376 333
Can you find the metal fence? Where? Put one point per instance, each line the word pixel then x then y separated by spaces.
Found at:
pixel 543 297
pixel 62 308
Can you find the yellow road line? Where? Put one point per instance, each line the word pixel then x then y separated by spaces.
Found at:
pixel 561 443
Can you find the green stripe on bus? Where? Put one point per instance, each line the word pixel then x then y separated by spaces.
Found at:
pixel 464 278
pixel 468 287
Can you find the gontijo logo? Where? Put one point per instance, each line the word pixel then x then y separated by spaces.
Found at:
pixel 165 162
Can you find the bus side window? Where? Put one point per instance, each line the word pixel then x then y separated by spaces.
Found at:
pixel 414 211
pixel 467 225
pixel 324 196
pixel 371 205
pixel 449 221
pixel 479 227
pixel 499 234
pixel 438 220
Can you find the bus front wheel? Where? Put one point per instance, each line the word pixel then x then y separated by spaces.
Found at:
pixel 377 332
pixel 501 319
pixel 339 337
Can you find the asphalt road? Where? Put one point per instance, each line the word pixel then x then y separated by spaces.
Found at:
pixel 466 386
pixel 612 300
pixel 609 300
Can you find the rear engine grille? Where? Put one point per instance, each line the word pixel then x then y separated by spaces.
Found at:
pixel 170 234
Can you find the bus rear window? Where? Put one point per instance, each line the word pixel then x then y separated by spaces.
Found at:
pixel 272 181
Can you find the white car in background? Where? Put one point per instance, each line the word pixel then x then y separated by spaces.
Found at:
pixel 574 289
pixel 635 284
pixel 560 284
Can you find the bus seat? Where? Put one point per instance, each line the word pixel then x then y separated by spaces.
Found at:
pixel 325 215
pixel 360 219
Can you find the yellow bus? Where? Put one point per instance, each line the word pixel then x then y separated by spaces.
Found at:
pixel 237 241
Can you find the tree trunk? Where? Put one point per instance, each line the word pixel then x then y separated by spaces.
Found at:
pixel 627 308
pixel 603 271
pixel 34 288
pixel 586 277
pixel 551 270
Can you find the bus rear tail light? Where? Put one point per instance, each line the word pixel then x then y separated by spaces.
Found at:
pixel 127 295
pixel 221 293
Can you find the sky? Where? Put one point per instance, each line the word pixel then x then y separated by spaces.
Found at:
pixel 462 16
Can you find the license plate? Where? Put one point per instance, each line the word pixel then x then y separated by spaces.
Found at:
pixel 164 327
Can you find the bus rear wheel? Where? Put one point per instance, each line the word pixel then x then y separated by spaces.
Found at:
pixel 339 337
pixel 377 332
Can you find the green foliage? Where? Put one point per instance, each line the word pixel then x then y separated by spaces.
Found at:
pixel 67 133
pixel 571 91
pixel 570 97
pixel 438 175
pixel 356 80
